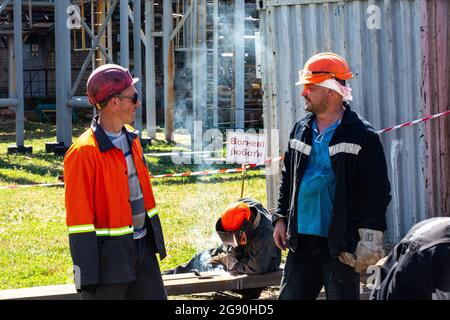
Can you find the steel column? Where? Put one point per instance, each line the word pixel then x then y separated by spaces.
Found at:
pixel 9 102
pixel 124 46
pixel 18 53
pixel 168 69
pixel 63 74
pixel 239 65
pixel 137 60
pixel 215 63
pixel 150 99
pixel 11 70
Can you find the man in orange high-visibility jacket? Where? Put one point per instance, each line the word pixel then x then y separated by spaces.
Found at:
pixel 114 229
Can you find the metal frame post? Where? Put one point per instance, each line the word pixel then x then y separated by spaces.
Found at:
pixel 109 32
pixel 3 5
pixel 150 99
pixel 11 69
pixel 18 53
pixel 63 74
pixel 124 41
pixel 202 61
pixel 215 63
pixel 239 66
pixel 168 70
pixel 137 59
pixel 199 74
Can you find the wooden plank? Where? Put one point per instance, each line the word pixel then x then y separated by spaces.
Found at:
pixel 176 284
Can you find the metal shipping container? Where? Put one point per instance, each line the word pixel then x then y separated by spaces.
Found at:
pixel 381 41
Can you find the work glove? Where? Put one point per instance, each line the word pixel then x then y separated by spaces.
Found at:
pixel 228 260
pixel 215 260
pixel 347 258
pixel 369 249
pixel 90 288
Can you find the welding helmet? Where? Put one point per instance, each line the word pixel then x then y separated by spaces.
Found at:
pixel 235 226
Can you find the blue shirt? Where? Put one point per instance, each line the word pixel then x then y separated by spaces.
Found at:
pixel 318 186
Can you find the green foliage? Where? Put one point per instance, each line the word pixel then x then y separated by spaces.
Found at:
pixel 34 249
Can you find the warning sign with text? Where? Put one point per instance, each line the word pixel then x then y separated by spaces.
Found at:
pixel 246 148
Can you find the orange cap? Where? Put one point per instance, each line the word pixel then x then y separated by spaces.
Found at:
pixel 234 215
pixel 323 66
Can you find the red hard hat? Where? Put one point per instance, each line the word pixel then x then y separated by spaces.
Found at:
pixel 323 66
pixel 234 216
pixel 107 80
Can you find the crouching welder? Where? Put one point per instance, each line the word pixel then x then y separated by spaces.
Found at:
pixel 247 245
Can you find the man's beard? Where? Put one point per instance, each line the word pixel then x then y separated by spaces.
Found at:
pixel 315 108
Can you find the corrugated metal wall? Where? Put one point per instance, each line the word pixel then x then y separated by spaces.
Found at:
pixel 381 42
pixel 435 28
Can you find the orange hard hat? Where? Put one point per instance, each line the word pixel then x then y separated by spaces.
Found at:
pixel 234 216
pixel 323 66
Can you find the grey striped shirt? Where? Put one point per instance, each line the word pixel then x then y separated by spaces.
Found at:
pixel 119 140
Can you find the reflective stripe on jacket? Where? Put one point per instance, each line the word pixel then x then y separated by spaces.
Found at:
pixel 362 184
pixel 98 210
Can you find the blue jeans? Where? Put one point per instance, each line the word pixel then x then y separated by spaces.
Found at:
pixel 311 267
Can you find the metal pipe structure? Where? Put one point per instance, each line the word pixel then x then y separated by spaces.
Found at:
pixel 109 33
pixel 42 4
pixel 30 13
pixel 202 62
pixel 92 50
pixel 181 23
pixel 137 59
pixel 9 102
pixel 239 66
pixel 92 39
pixel 124 41
pixel 3 5
pixel 63 74
pixel 100 46
pixel 199 73
pixel 18 53
pixel 168 70
pixel 80 102
pixel 215 63
pixel 150 99
pixel 11 71
pixel 131 17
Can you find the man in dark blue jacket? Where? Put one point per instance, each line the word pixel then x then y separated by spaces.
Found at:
pixel 418 268
pixel 334 190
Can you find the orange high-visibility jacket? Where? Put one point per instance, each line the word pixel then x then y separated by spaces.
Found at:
pixel 99 214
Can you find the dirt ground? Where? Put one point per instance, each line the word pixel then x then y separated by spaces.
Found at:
pixel 270 293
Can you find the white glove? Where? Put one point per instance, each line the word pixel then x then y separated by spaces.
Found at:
pixel 369 249
pixel 228 260
pixel 347 258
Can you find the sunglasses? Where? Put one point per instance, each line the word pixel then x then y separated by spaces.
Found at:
pixel 133 98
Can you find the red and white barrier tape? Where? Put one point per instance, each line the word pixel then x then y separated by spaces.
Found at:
pixel 248 166
pixel 410 123
pixel 33 185
pixel 207 172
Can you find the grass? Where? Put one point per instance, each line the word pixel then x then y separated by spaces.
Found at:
pixel 34 248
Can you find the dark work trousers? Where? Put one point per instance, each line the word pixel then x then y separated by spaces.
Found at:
pixel 311 267
pixel 147 286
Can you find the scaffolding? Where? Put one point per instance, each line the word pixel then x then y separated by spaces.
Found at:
pixel 195 32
